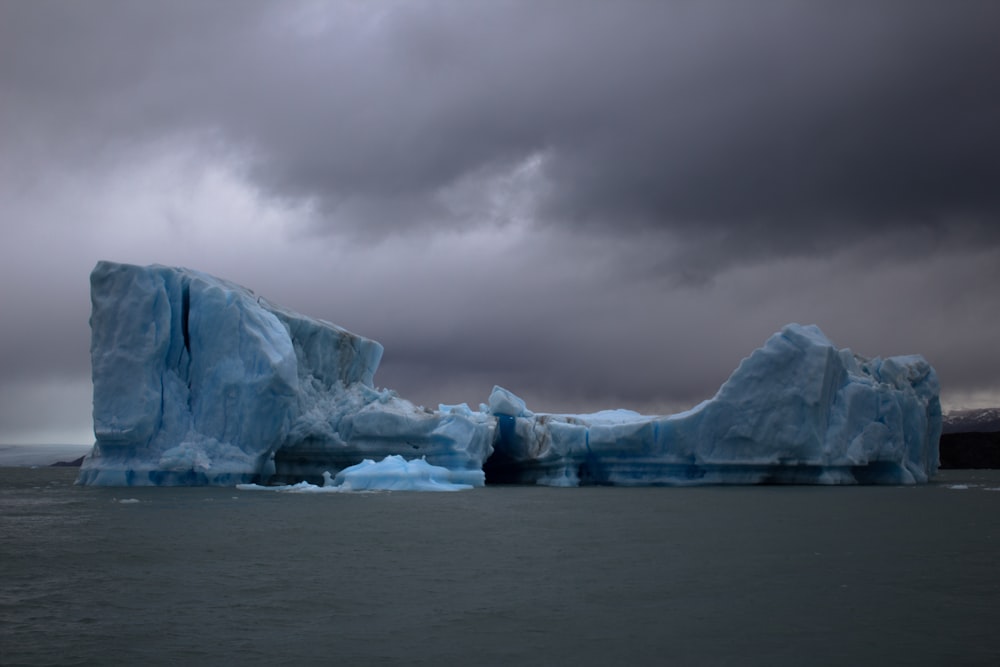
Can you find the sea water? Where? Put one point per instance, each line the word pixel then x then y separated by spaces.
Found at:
pixel 500 575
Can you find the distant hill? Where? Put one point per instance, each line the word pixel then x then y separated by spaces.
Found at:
pixel 985 420
pixel 971 439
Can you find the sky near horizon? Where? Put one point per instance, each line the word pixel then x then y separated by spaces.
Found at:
pixel 593 204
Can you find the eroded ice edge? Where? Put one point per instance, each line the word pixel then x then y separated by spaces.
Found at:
pixel 199 381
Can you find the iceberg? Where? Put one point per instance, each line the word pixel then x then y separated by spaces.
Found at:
pixel 200 381
pixel 796 411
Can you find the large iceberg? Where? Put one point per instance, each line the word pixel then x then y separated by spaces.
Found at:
pixel 796 411
pixel 199 381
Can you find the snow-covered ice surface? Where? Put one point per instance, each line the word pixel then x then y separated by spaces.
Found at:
pixel 199 381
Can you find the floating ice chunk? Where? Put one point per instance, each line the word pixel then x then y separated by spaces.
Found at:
pixel 301 487
pixel 394 473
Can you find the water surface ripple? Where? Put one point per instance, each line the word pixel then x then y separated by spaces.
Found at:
pixel 500 575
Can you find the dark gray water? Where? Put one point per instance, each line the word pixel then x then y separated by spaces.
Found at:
pixel 510 575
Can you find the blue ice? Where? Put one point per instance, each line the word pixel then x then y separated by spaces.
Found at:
pixel 393 473
pixel 796 411
pixel 199 381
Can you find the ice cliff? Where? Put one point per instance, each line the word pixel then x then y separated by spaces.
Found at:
pixel 199 381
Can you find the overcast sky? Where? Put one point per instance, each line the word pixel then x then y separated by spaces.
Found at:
pixel 593 204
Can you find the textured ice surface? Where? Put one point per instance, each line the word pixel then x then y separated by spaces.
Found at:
pixel 393 473
pixel 199 381
pixel 797 410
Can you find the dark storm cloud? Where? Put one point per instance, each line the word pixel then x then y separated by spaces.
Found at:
pixel 748 130
pixel 602 343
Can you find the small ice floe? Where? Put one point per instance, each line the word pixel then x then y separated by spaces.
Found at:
pixel 964 487
pixel 393 473
pixel 125 501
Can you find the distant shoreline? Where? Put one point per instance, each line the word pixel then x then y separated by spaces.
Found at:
pixel 21 456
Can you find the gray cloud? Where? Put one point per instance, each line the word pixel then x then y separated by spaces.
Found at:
pixel 771 129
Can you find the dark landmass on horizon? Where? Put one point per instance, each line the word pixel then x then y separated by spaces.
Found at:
pixel 970 450
pixel 75 463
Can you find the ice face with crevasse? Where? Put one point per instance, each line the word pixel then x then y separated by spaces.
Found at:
pixel 199 381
